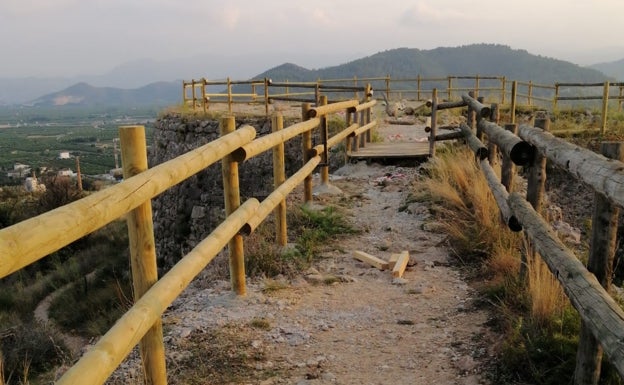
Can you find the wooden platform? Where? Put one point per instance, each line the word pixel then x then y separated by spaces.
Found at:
pixel 392 150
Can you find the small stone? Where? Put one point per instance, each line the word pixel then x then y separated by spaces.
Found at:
pixel 399 281
pixel 328 376
pixel 315 278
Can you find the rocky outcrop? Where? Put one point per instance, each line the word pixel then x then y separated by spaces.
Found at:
pixel 188 212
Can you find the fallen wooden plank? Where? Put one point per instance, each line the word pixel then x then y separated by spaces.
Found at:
pixel 401 264
pixel 370 259
pixel 393 260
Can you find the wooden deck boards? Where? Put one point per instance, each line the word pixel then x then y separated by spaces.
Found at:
pixel 392 150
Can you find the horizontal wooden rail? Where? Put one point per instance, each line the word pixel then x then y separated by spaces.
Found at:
pixel 597 309
pixel 480 150
pixel 289 99
pixel 579 84
pixel 363 106
pixel 100 361
pixel 331 108
pixel 501 196
pixel 269 141
pixel 480 109
pixel 365 128
pixel 25 242
pixel 279 194
pixel 447 105
pixel 519 151
pixel 339 137
pixel 605 175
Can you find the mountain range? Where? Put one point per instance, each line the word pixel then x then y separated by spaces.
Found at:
pixel 123 85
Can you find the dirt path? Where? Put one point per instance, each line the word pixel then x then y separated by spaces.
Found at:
pixel 344 322
pixel 73 342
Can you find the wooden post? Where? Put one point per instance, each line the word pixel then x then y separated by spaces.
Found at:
pixel 348 140
pixel 356 138
pixel 530 93
pixel 601 253
pixel 324 137
pixel 508 169
pixel 449 88
pixel 266 96
pixel 78 174
pixel 620 98
pixel 556 98
pixel 476 118
pixel 203 92
pixel 229 94
pixel 434 123
pixel 492 148
pixel 355 82
pixel 472 116
pixel 512 108
pixel 363 122
pixel 537 174
pixel 279 176
pixel 368 113
pixel 306 142
pixel 418 87
pixel 605 107
pixel 231 196
pixel 193 92
pixel 143 252
pixel 388 86
pixel 476 89
pixel 503 89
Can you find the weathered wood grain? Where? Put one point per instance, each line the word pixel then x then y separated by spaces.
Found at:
pixel 597 309
pixel 606 176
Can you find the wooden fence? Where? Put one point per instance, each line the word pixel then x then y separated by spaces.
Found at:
pixel 495 88
pixel 33 239
pixel 586 287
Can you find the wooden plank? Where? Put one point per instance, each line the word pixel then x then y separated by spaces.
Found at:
pixel 393 260
pixel 370 259
pixel 401 264
pixel 392 150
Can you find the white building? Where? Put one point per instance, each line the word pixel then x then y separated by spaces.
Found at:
pixel 19 171
pixel 31 184
pixel 66 172
pixel 64 155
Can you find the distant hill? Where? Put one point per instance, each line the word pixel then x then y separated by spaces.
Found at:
pixel 83 94
pixel 485 59
pixel 614 69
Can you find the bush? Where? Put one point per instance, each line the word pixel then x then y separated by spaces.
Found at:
pixel 30 349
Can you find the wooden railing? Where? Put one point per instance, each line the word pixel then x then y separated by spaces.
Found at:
pixel 496 88
pixel 33 239
pixel 586 287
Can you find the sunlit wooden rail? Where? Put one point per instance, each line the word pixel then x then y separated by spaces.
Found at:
pixel 586 286
pixel 27 242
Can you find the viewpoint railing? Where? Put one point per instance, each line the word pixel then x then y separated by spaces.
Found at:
pixel 586 287
pixel 28 241
pixel 494 88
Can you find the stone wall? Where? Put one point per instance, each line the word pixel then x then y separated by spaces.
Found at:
pixel 188 212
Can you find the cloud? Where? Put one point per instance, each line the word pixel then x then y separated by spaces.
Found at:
pixel 230 16
pixel 320 16
pixel 423 13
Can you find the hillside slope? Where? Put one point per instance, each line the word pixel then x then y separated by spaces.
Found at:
pixel 614 69
pixel 485 59
pixel 83 94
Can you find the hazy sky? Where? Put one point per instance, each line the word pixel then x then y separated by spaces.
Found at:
pixel 71 37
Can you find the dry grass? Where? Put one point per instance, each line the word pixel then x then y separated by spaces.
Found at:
pixel 539 324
